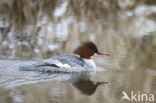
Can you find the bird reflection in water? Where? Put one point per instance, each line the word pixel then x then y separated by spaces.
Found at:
pixel 83 83
pixel 87 87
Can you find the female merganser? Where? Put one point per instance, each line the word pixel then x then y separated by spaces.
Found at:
pixel 69 63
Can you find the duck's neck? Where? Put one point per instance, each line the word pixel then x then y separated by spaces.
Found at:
pixel 89 62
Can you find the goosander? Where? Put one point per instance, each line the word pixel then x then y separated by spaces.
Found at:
pixel 69 63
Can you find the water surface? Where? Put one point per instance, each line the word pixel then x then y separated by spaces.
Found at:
pixel 100 87
pixel 34 30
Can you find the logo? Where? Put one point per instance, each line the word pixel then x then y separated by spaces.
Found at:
pixel 137 97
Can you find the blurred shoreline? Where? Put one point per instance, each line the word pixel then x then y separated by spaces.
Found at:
pixel 40 30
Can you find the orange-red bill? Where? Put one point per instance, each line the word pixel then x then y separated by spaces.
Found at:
pixel 99 53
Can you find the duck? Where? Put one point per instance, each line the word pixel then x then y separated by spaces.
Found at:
pixel 69 63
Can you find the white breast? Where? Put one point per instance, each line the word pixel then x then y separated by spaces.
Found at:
pixel 90 62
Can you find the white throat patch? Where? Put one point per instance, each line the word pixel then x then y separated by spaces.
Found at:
pixel 90 62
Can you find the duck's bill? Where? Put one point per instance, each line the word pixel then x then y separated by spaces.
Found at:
pixel 99 53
